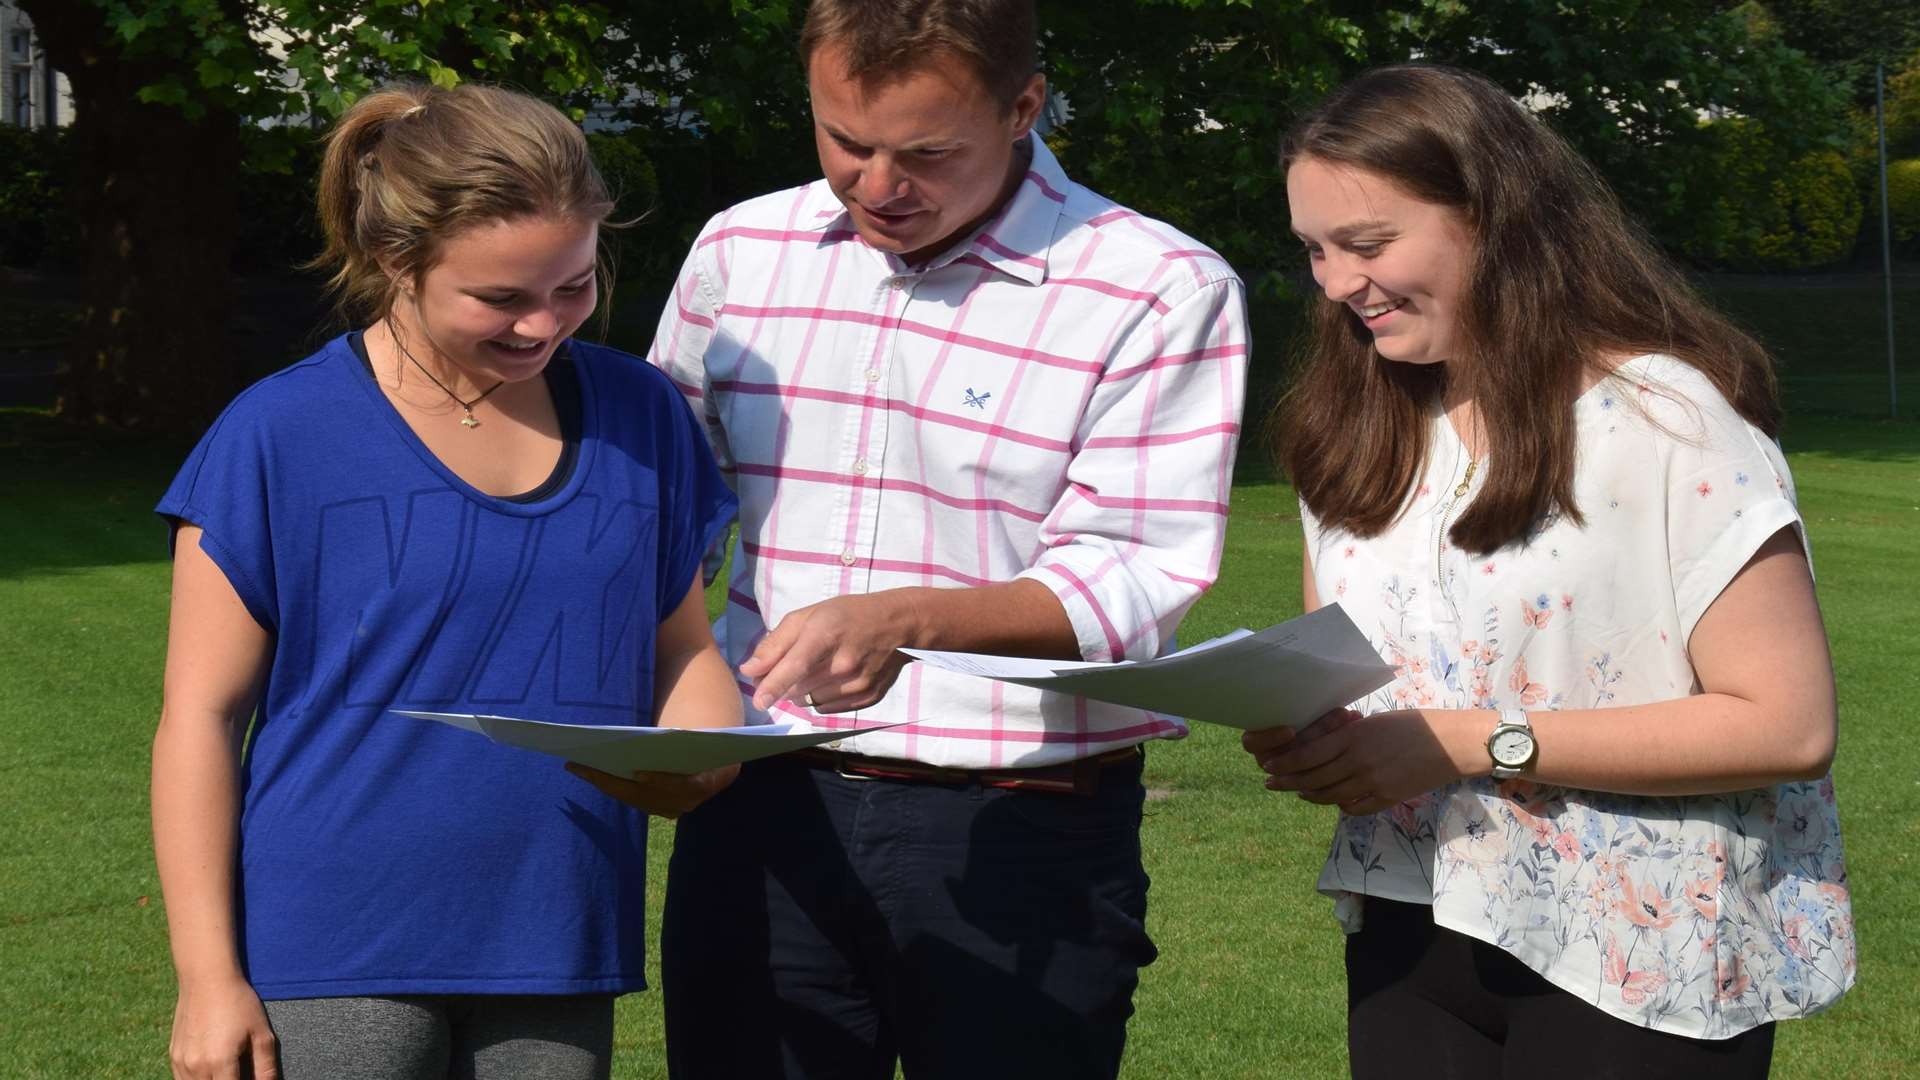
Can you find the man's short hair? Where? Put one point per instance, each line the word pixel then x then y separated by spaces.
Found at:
pixel 890 39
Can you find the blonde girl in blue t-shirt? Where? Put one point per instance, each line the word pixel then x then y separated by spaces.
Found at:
pixel 458 508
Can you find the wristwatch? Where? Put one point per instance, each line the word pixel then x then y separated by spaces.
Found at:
pixel 1512 746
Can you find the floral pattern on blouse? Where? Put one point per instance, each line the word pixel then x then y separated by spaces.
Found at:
pixel 1699 915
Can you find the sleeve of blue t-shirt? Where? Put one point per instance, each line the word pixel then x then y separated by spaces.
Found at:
pixel 223 489
pixel 698 504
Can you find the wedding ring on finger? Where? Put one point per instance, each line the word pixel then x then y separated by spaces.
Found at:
pixel 807 700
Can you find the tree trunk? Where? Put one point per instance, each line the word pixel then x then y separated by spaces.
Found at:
pixel 155 191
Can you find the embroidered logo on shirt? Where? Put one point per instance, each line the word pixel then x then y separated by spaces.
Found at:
pixel 978 401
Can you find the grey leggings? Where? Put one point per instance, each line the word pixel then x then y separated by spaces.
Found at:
pixel 445 1037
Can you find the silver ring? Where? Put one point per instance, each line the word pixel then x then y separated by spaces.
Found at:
pixel 807 699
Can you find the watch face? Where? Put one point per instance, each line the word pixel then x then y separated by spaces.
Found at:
pixel 1512 747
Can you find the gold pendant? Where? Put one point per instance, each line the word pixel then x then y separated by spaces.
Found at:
pixel 470 421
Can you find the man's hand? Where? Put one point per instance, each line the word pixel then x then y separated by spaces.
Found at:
pixel 841 651
pixel 666 795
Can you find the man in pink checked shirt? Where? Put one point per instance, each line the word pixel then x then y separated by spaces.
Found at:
pixel 967 404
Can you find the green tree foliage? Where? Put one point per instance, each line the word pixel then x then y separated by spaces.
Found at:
pixel 1772 210
pixel 153 188
pixel 1175 106
pixel 635 185
pixel 1178 106
pixel 165 91
pixel 718 103
pixel 35 223
pixel 1822 213
pixel 1629 81
pixel 1902 96
pixel 1845 37
pixel 265 59
pixel 1903 203
pixel 276 229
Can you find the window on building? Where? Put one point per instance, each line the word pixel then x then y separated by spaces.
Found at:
pixel 22 99
pixel 19 43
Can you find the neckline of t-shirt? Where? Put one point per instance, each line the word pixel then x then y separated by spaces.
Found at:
pixel 561 382
pixel 349 365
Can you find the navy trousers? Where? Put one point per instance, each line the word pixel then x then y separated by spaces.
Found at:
pixel 824 927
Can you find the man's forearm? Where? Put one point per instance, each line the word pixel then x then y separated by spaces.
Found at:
pixel 1018 618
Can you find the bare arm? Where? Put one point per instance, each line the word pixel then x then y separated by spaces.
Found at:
pixel 693 688
pixel 1766 715
pixel 216 657
pixel 692 684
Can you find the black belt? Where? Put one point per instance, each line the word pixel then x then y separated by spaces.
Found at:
pixel 1081 777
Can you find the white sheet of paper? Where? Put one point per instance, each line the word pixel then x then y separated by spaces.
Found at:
pixel 622 750
pixel 1287 674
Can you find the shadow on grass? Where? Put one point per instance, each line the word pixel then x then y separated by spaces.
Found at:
pixel 71 502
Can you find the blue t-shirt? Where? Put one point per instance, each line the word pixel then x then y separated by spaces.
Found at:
pixel 381 854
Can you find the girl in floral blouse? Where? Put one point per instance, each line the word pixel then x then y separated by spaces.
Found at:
pixel 1590 825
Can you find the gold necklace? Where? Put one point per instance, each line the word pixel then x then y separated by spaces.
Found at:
pixel 469 421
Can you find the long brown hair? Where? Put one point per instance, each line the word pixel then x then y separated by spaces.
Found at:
pixel 409 166
pixel 1559 281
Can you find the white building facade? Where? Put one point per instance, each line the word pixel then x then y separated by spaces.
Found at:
pixel 32 93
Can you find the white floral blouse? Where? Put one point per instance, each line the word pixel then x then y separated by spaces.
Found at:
pixel 1702 915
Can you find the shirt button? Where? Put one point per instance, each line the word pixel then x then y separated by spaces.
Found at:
pixel 898 284
pixel 847 558
pixel 836 744
pixel 873 375
pixel 860 467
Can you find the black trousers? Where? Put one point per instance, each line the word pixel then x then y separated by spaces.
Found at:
pixel 822 927
pixel 1425 1001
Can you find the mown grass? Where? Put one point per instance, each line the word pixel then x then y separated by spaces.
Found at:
pixel 1249 981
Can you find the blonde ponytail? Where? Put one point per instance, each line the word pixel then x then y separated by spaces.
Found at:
pixel 409 166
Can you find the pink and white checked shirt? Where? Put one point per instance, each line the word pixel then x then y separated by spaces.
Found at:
pixel 1057 398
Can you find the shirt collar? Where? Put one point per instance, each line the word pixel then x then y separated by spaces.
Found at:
pixel 1014 241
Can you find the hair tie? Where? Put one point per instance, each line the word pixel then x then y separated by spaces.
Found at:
pixel 411 109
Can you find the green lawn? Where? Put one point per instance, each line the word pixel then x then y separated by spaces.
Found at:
pixel 1249 981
